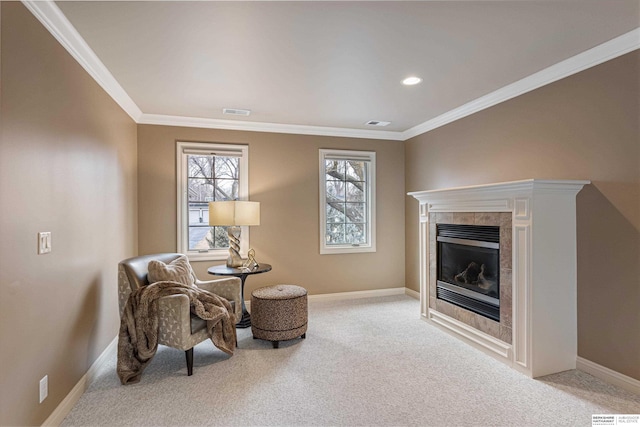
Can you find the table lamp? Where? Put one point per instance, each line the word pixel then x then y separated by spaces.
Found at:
pixel 233 214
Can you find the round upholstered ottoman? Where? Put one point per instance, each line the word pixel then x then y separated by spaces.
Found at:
pixel 279 313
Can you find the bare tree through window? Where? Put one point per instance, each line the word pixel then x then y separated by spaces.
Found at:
pixel 210 178
pixel 346 199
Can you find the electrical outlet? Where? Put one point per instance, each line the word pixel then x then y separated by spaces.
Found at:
pixel 44 242
pixel 44 388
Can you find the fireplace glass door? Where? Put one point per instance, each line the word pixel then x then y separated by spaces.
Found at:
pixel 469 267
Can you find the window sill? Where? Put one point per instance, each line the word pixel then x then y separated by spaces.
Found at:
pixel 346 250
pixel 207 256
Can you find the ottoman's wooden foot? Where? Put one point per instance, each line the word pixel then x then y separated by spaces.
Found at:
pixel 304 335
pixel 276 344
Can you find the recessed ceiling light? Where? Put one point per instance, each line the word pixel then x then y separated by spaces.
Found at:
pixel 410 81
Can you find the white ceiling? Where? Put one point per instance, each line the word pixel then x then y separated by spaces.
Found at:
pixel 338 64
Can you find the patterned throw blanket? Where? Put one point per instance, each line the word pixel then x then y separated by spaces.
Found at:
pixel 138 336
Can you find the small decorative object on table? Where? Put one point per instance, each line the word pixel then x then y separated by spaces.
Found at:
pixel 250 263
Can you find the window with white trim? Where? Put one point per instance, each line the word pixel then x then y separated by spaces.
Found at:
pixel 208 172
pixel 347 201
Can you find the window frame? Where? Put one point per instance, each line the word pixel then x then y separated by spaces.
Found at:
pixel 368 156
pixel 183 148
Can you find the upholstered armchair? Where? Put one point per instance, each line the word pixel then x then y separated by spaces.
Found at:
pixel 178 328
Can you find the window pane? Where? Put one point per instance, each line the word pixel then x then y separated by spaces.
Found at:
pixel 335 191
pixel 199 166
pixel 355 234
pixel 205 237
pixel 355 212
pixel 335 213
pixel 226 189
pixel 335 234
pixel 220 237
pixel 200 189
pixel 355 191
pixel 198 214
pixel 198 238
pixel 227 167
pixel 355 170
pixel 335 168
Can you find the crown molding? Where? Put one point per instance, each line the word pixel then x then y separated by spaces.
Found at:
pixel 59 26
pixel 580 62
pixel 48 13
pixel 198 122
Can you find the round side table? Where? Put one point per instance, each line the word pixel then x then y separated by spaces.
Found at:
pixel 242 273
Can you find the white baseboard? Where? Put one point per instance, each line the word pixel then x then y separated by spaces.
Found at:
pixel 411 293
pixel 356 294
pixel 608 375
pixel 67 404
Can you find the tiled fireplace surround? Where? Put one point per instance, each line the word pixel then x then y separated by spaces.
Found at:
pixel 500 330
pixel 537 332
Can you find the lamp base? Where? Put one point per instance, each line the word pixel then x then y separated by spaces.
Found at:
pixel 234 260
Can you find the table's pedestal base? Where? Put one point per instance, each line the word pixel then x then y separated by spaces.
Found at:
pixel 241 273
pixel 245 321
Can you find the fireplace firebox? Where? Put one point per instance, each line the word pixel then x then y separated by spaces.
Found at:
pixel 468 267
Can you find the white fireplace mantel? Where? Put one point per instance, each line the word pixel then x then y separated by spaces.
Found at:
pixel 544 325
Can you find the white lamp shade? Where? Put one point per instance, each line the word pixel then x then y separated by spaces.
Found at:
pixel 234 213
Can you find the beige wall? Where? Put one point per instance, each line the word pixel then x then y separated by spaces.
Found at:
pixel 71 163
pixel 586 126
pixel 68 166
pixel 283 176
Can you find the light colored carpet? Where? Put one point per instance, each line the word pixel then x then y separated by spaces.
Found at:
pixel 368 362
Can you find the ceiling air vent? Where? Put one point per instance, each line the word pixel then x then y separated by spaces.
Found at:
pixel 236 111
pixel 377 123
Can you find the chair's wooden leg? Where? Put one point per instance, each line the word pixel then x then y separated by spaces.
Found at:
pixel 189 354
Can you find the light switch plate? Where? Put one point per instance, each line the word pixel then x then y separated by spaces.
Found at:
pixel 44 242
pixel 44 388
